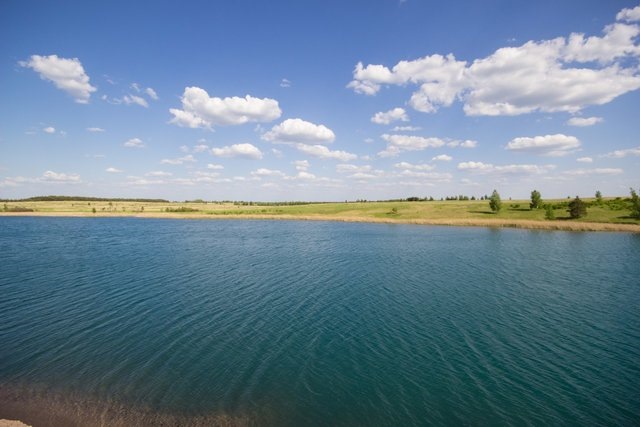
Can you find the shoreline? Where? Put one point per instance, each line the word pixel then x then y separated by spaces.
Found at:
pixel 553 225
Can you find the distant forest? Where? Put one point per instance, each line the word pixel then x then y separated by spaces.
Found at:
pixel 81 199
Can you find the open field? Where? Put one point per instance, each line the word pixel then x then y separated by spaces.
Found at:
pixel 514 213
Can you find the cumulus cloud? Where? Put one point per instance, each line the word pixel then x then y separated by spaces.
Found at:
pixel 178 161
pixel 394 115
pixel 596 171
pixel 301 165
pixel 322 152
pixel 158 173
pixel 442 158
pixel 629 15
pixel 618 154
pixel 263 172
pixel 406 128
pixel 411 166
pixel 584 121
pixel 134 99
pixel 247 151
pixel 55 177
pixel 298 130
pixel 134 143
pixel 584 160
pixel 94 129
pixel 513 169
pixel 285 83
pixel 200 148
pixel 399 143
pixel 151 93
pixel 199 110
pixel 352 169
pixel 562 74
pixel 66 74
pixel 214 166
pixel 548 145
pixel 113 170
pixel 49 129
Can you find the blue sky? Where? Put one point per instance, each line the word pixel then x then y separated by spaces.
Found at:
pixel 319 100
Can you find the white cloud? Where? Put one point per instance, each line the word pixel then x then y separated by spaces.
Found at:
pixel 322 152
pixel 298 130
pixel 384 118
pixel 584 160
pixel 411 166
pixel 406 128
pixel 151 93
pixel 276 152
pixel 134 99
pixel 158 173
pixel 442 158
pixel 548 145
pixel 66 74
pixel 49 129
pixel 563 74
pixel 95 130
pixel 618 154
pixel 368 140
pixel 301 165
pixel 514 169
pixel 263 172
pixel 469 144
pixel 214 166
pixel 113 170
pixel 349 168
pixel 200 148
pixel 179 161
pixel 437 176
pixel 596 171
pixel 248 151
pixel 199 110
pixel 629 15
pixel 55 177
pixel 584 121
pixel 399 143
pixel 134 143
pixel 285 83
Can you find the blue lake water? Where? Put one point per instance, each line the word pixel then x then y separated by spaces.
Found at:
pixel 321 323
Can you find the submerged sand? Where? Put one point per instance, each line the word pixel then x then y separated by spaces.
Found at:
pixel 560 225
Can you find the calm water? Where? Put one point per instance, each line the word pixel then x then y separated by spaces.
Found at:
pixel 305 323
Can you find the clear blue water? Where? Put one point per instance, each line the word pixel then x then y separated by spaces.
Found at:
pixel 321 323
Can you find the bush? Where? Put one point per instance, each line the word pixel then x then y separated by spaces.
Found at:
pixel 548 212
pixel 536 200
pixel 494 201
pixel 635 204
pixel 577 208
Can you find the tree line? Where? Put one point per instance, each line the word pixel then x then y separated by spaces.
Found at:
pixel 577 208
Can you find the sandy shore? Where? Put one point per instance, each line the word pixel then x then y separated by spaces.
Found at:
pixel 12 423
pixel 465 222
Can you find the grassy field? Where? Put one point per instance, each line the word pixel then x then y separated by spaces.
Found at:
pixel 609 216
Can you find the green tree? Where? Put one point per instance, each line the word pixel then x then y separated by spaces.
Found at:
pixel 635 204
pixel 536 200
pixel 577 208
pixel 93 210
pixel 548 212
pixel 598 197
pixel 494 201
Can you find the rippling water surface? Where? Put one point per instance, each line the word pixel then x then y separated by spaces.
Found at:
pixel 302 323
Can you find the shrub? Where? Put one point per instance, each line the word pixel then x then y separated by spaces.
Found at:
pixel 494 201
pixel 577 208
